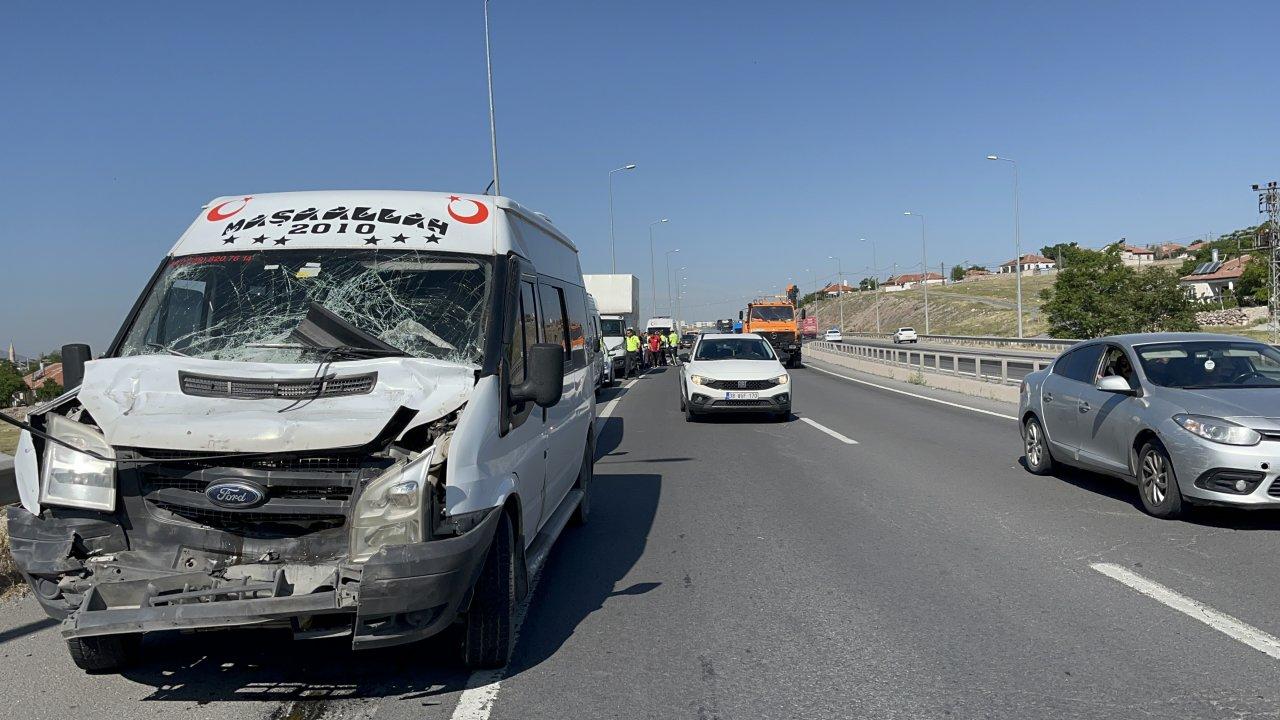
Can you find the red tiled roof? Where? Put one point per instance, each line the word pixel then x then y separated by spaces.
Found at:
pixel 913 277
pixel 52 371
pixel 1230 270
pixel 1029 259
pixel 1136 250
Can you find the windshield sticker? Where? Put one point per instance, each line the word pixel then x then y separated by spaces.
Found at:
pixel 360 221
pixel 1209 365
pixel 202 259
pixel 309 270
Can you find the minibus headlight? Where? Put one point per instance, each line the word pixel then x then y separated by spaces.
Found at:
pixel 389 511
pixel 74 479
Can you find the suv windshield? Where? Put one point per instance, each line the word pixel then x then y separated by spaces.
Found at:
pixel 1213 364
pixel 772 313
pixel 734 349
pixel 611 328
pixel 224 307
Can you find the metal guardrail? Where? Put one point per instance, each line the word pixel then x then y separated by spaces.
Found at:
pixel 1055 344
pixel 1002 369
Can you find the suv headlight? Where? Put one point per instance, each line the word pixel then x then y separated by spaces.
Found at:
pixel 389 511
pixel 1218 430
pixel 697 380
pixel 782 379
pixel 74 479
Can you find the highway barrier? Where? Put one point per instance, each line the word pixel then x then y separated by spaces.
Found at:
pixel 1055 345
pixel 969 364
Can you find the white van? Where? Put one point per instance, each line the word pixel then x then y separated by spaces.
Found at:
pixel 597 354
pixel 344 413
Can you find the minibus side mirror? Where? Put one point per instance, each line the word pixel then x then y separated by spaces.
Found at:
pixel 544 383
pixel 74 356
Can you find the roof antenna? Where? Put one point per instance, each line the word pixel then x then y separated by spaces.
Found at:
pixel 487 188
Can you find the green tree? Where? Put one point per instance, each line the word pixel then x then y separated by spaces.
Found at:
pixel 48 391
pixel 10 383
pixel 1096 294
pixel 957 273
pixel 1254 287
pixel 1056 251
pixel 868 283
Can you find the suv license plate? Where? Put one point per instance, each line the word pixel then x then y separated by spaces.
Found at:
pixel 742 396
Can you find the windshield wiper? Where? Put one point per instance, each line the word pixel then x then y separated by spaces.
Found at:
pixel 325 330
pixel 334 350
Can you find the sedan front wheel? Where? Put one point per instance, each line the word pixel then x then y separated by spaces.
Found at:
pixel 1157 483
pixel 1035 448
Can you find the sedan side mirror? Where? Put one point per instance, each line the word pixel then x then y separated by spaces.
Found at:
pixel 1115 384
pixel 544 383
pixel 684 357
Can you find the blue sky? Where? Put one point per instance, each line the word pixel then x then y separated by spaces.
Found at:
pixel 772 135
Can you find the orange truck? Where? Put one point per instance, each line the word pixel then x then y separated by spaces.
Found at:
pixel 775 321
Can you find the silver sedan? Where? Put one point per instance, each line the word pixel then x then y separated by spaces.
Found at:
pixel 1188 417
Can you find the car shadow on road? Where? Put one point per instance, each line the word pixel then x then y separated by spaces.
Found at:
pixel 1095 483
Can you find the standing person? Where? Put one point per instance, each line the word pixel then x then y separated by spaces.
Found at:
pixel 655 350
pixel 673 340
pixel 632 344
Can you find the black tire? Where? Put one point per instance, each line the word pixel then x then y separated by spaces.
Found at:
pixel 1035 447
pixel 586 474
pixel 1155 467
pixel 488 626
pixel 105 653
pixel 682 400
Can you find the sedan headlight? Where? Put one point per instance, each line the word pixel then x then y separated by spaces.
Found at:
pixel 782 379
pixel 1218 430
pixel 71 478
pixel 698 380
pixel 389 511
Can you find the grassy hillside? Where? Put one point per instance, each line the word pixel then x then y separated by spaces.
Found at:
pixel 983 306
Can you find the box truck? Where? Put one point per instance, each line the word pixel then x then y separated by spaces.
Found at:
pixel 618 298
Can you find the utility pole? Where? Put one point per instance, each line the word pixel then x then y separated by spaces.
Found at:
pixel 840 292
pixel 1269 205
pixel 924 269
pixel 875 278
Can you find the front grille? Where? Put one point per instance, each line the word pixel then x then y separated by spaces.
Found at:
pixel 258 389
pixel 740 384
pixel 742 403
pixel 304 493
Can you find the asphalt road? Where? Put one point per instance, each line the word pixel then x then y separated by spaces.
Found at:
pixel 742 568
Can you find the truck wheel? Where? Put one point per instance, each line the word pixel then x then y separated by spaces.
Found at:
pixel 586 474
pixel 486 640
pixel 105 653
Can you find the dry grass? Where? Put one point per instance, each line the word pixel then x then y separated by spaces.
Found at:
pixel 11 582
pixel 8 438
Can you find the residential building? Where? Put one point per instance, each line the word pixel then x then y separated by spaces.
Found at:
pixel 1131 255
pixel 1032 264
pixel 911 280
pixel 1212 280
pixel 837 288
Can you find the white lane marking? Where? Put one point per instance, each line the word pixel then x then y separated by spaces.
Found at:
pixel 1231 627
pixel 476 701
pixel 916 395
pixel 829 431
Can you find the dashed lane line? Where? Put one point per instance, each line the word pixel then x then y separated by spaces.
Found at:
pixel 1231 627
pixel 829 431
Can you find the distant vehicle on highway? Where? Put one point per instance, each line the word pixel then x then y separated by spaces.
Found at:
pixel 834 335
pixel 687 340
pixel 1188 417
pixel 733 373
pixel 905 335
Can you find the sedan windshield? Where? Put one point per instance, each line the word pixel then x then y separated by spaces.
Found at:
pixel 734 349
pixel 238 306
pixel 772 313
pixel 1211 364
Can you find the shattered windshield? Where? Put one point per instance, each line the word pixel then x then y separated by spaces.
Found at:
pixel 226 307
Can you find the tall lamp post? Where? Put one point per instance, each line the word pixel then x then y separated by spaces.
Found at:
pixel 1017 234
pixel 875 273
pixel 668 258
pixel 493 128
pixel 653 271
pixel 612 240
pixel 924 269
pixel 840 274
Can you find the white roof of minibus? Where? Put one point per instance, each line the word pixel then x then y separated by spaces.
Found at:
pixel 364 219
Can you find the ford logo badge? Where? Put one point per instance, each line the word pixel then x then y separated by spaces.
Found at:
pixel 235 494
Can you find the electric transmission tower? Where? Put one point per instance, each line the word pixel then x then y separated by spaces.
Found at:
pixel 1269 238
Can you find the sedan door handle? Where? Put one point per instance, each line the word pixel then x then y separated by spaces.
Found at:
pixel 1084 407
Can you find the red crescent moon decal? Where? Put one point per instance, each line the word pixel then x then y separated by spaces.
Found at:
pixel 479 216
pixel 216 214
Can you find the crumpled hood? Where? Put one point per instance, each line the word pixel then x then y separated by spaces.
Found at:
pixel 138 402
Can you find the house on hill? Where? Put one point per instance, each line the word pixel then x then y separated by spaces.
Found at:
pixel 1032 264
pixel 1212 280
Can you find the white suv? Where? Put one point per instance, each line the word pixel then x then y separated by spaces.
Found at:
pixel 834 335
pixel 734 373
pixel 906 335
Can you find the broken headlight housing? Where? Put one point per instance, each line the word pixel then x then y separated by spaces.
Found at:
pixel 389 511
pixel 74 479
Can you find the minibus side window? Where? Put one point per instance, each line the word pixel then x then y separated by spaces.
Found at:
pixel 555 324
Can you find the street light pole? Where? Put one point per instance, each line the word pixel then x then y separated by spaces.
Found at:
pixel 924 269
pixel 1017 233
pixel 493 128
pixel 668 258
pixel 612 240
pixel 840 293
pixel 875 272
pixel 653 271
